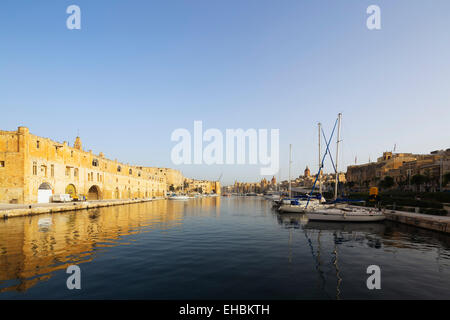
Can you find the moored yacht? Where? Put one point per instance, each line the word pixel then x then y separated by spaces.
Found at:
pixel 301 204
pixel 178 197
pixel 341 212
pixel 345 213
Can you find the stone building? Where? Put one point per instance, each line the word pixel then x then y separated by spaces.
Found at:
pixel 202 186
pixel 307 172
pixel 33 168
pixel 399 166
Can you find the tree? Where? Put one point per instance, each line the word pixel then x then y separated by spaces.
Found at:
pixel 387 182
pixel 418 179
pixel 446 179
pixel 350 184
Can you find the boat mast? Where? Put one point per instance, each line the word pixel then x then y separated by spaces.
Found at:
pixel 320 163
pixel 290 161
pixel 337 155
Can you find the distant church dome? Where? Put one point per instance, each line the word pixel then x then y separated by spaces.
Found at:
pixel 307 172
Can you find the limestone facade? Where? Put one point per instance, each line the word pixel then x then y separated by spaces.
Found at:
pixel 30 164
pixel 400 166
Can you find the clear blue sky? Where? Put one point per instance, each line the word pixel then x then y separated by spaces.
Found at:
pixel 137 70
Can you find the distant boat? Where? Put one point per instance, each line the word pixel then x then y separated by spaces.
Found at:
pixel 178 197
pixel 272 196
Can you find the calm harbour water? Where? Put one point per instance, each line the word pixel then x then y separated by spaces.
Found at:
pixel 216 248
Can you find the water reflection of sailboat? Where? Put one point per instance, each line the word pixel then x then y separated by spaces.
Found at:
pixel 346 227
pixel 318 261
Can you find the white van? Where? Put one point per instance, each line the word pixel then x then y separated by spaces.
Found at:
pixel 61 198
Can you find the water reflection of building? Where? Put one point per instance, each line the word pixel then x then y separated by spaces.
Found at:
pixel 32 248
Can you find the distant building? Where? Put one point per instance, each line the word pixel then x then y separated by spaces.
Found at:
pixel 307 172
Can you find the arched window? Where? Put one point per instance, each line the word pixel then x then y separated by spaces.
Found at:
pixel 130 171
pixel 119 168
pixel 95 162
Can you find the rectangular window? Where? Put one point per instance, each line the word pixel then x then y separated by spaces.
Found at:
pixel 37 144
pixel 34 168
pixel 2 164
pixel 75 172
pixel 67 171
pixel 98 176
pixel 52 170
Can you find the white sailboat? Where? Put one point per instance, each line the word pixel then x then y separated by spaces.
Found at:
pixel 299 205
pixel 343 212
pixel 178 197
pixel 181 196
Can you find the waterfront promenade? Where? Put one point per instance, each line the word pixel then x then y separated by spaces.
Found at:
pixel 426 221
pixel 19 210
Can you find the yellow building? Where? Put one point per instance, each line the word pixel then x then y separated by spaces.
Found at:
pixel 399 166
pixel 202 186
pixel 33 168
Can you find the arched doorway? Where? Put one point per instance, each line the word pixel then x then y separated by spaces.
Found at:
pixel 70 189
pixel 117 194
pixel 94 193
pixel 44 193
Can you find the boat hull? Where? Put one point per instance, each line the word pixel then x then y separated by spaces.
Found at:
pixel 345 218
pixel 289 208
pixel 179 198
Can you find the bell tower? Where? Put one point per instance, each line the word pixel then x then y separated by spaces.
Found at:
pixel 307 172
pixel 77 144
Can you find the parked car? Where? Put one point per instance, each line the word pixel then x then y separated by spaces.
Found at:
pixel 61 198
pixel 79 197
